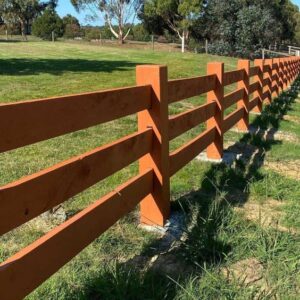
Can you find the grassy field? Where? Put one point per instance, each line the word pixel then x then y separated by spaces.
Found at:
pixel 241 225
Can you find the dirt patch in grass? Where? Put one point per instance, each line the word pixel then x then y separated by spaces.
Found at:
pixel 285 136
pixel 246 272
pixel 289 169
pixel 267 214
pixel 293 119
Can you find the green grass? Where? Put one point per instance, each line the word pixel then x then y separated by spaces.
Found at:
pixel 216 234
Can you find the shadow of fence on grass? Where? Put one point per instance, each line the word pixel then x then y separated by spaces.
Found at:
pixel 205 211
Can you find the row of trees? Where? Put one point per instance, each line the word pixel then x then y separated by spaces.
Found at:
pixel 232 27
pixel 22 13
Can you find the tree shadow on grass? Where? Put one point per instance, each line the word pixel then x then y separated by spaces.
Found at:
pixel 165 264
pixel 23 66
pixel 10 41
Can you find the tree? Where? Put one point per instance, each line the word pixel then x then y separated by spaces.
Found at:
pixel 71 26
pixel 23 11
pixel 48 22
pixel 297 30
pixel 283 12
pixel 255 33
pixel 119 12
pixel 240 27
pixel 178 15
pixel 153 23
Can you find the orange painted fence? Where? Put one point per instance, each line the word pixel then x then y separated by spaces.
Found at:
pixel 29 122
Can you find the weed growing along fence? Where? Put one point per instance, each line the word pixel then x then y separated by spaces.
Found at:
pixel 29 122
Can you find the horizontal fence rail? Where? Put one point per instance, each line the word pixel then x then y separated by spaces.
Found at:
pixel 29 122
pixel 187 88
pixel 31 196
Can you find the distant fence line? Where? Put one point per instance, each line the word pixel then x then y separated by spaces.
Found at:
pixel 28 122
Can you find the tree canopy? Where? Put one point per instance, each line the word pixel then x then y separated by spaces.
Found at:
pixel 119 12
pixel 47 23
pixel 177 16
pixel 23 11
pixel 232 27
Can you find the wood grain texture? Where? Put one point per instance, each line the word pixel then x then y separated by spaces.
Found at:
pixel 155 208
pixel 185 121
pixel 233 77
pixel 183 155
pixel 253 103
pixel 254 87
pixel 233 118
pixel 26 270
pixel 28 122
pixel 190 87
pixel 254 71
pixel 233 97
pixel 27 198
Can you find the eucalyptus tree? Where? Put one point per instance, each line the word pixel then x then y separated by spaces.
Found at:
pixel 121 13
pixel 178 15
pixel 22 11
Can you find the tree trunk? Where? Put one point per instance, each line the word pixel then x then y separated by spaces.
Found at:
pixel 121 40
pixel 183 43
pixel 121 36
pixel 23 30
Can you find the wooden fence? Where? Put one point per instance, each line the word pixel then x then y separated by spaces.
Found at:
pixel 29 122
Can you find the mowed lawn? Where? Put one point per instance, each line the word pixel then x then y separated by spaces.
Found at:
pixel 220 236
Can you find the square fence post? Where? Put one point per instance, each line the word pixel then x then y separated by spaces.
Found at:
pixel 244 64
pixel 215 150
pixel 294 68
pixel 288 72
pixel 275 76
pixel 292 62
pixel 281 75
pixel 284 71
pixel 259 78
pixel 269 64
pixel 155 208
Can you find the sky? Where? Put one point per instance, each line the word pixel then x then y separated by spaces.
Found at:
pixel 65 7
pixel 296 2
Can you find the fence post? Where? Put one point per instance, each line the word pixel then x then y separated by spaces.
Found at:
pixel 290 71
pixel 291 62
pixel 155 208
pixel 284 71
pixel 281 82
pixel 294 69
pixel 215 150
pixel 259 78
pixel 269 64
pixel 287 72
pixel 244 64
pixel 276 76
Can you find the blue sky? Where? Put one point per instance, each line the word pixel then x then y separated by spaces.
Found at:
pixel 297 2
pixel 65 7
